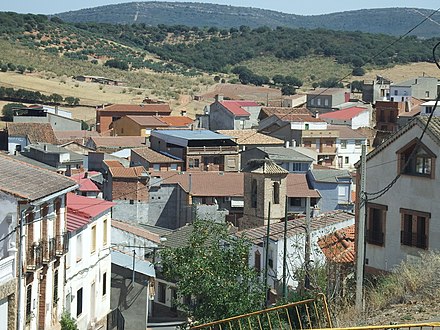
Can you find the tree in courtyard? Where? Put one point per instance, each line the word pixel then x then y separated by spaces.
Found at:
pixel 213 269
pixel 67 322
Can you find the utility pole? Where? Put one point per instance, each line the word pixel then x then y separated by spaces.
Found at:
pixel 20 272
pixel 285 253
pixel 307 247
pixel 360 233
pixel 266 267
pixel 134 263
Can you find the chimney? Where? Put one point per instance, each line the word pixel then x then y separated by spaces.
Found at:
pixel 45 147
pixel 219 98
pixel 146 140
pixel 316 114
pixel 183 113
pixel 56 109
pixel 287 144
pixel 86 175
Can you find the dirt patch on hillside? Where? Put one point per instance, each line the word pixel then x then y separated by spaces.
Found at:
pixel 400 73
pixel 243 92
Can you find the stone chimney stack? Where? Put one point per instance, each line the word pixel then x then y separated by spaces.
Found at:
pixel 219 98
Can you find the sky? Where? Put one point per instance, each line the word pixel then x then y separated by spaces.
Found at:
pixel 298 7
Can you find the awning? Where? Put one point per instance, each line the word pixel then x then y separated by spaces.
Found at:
pixel 126 261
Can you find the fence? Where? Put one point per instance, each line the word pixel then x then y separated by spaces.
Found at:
pixel 306 314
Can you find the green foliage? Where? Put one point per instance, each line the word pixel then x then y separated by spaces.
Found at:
pixel 116 64
pixel 21 69
pixel 84 125
pixel 57 98
pixel 67 322
pixel 4 68
pixel 330 83
pixel 357 85
pixel 72 100
pixel 8 110
pixel 358 71
pixel 213 269
pixel 288 90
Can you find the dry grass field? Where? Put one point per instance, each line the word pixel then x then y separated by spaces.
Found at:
pixel 403 72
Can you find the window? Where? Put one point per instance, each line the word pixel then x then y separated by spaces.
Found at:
pixel 396 92
pixel 257 261
pixel 358 144
pixel 173 167
pixel 104 284
pixel 194 163
pixel 376 224
pixel 347 160
pixel 343 144
pixel 55 287
pixel 79 302
pixel 93 242
pixel 312 101
pixel 28 302
pixel 326 102
pixel 419 162
pixel 270 261
pixel 78 248
pixel 306 126
pixel 162 292
pixel 254 193
pixel 276 192
pixel 295 201
pixel 426 93
pixel 343 194
pixel 156 167
pixel 318 101
pixel 329 143
pixel 414 228
pixel 307 143
pixel 104 231
pixel 428 110
pixel 131 201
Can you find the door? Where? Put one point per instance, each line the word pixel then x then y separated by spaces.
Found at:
pixel 92 301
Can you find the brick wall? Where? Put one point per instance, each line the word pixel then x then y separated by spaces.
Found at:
pixel 130 189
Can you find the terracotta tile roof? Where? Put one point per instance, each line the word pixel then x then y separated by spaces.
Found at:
pixel 339 246
pixel 81 210
pixel 297 186
pixel 205 184
pixel 251 137
pixel 30 182
pixel 264 166
pixel 85 183
pixel 153 156
pixel 137 231
pixel 176 121
pixel 152 108
pixel 236 107
pixel 298 118
pixel 346 132
pixel 113 163
pixel 128 172
pixel 35 132
pixel 118 141
pixel 152 121
pixel 296 226
pixel 345 114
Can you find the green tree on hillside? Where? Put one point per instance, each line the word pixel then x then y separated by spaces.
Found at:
pixel 213 269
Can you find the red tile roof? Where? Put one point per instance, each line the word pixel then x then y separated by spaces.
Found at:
pixel 176 121
pixel 206 184
pixel 113 163
pixel 81 210
pixel 236 107
pixel 118 141
pixel 297 186
pixel 85 184
pixel 346 132
pixel 35 132
pixel 147 121
pixel 155 157
pixel 339 246
pixel 127 172
pixel 152 108
pixel 345 114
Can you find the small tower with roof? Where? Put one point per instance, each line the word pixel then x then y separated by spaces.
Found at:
pixel 264 182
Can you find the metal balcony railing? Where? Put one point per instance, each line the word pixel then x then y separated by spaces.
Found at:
pixel 34 257
pixel 49 249
pixel 212 150
pixel 62 244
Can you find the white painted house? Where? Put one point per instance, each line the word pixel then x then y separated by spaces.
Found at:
pixel 321 225
pixel 402 222
pixel 353 117
pixel 348 146
pixel 88 261
pixel 427 108
pixel 36 198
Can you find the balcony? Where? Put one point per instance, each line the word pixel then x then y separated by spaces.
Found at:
pixel 320 133
pixel 62 244
pixel 34 257
pixel 217 150
pixel 7 269
pixel 49 250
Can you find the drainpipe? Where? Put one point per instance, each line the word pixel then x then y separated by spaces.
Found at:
pixel 20 271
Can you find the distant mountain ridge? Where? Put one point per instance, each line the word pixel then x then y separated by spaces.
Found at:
pixel 393 21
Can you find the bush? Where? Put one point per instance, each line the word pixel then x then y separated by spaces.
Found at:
pixel 358 71
pixel 8 110
pixel 67 322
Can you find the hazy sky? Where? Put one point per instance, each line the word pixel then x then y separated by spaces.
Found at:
pixel 300 7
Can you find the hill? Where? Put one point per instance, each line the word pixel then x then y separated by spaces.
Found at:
pixel 393 21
